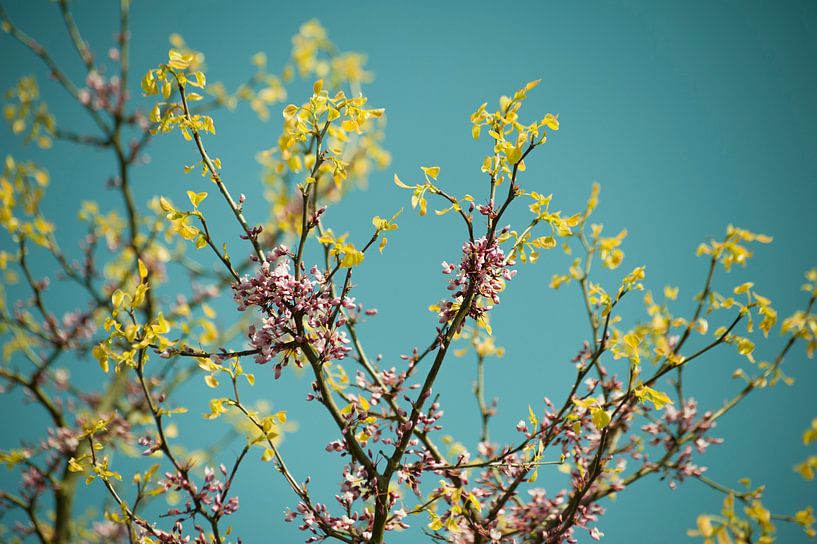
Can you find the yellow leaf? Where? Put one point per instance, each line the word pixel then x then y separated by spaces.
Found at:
pixel 185 231
pixel 483 322
pixel 351 257
pixel 746 347
pixel 601 418
pixel 431 171
pixel 474 502
pixel 101 355
pixel 178 60
pixel 551 121
pixel 558 280
pixel 348 125
pixel 364 403
pixel 155 114
pixel 290 111
pixel 544 242
pixel 160 325
pixel 743 288
pixel 117 298
pixel 400 183
pixel 165 204
pixel 139 295
pixel 671 293
pixel 196 198
pixel 647 394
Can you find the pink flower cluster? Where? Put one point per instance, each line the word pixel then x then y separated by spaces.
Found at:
pixel 675 423
pixel 212 493
pixel 149 533
pixel 483 270
pixel 297 310
pixel 533 515
pixel 356 521
pixel 101 93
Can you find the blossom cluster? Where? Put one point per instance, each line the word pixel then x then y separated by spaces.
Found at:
pixel 676 423
pixel 297 310
pixel 483 271
pixel 355 485
pixel 102 93
pixel 212 493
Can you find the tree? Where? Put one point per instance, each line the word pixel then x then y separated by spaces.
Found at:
pixel 626 415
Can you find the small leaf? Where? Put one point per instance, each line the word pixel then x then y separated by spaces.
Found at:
pixel 196 198
pixel 143 270
pixel 601 418
pixel 431 171
pixel 401 184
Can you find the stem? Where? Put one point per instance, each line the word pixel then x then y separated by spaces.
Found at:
pixel 479 392
pixel 216 177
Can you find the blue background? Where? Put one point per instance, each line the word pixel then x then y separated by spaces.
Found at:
pixel 691 115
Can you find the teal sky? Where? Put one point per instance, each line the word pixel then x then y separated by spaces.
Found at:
pixel 691 115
